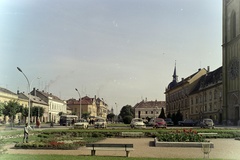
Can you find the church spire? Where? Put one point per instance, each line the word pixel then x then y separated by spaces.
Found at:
pixel 175 74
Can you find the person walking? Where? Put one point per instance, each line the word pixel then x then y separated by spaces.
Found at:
pixel 26 131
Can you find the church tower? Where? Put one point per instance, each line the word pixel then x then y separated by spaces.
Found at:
pixel 231 57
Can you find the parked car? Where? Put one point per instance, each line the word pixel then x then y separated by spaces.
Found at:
pixel 137 123
pixel 169 122
pixel 187 122
pixel 159 123
pixel 82 123
pixel 207 123
pixel 100 123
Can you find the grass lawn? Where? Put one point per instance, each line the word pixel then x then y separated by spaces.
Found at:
pixel 61 157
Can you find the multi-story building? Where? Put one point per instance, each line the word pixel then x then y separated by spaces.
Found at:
pixel 149 109
pixel 5 96
pixel 94 106
pixel 177 93
pixel 35 102
pixel 231 58
pixel 206 97
pixel 55 104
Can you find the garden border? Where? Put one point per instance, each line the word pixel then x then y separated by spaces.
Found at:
pixel 180 144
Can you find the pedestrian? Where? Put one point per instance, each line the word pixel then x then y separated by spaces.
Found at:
pixel 26 131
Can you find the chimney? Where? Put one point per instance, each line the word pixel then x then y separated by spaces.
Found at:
pixel 17 91
pixel 146 99
pixel 208 69
pixel 34 91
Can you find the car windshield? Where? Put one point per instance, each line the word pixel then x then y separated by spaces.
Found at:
pixel 208 120
pixel 82 120
pixel 138 120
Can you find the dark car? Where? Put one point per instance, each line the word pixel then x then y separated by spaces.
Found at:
pixel 187 122
pixel 169 122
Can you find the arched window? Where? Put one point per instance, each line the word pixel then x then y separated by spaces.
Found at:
pixel 233 25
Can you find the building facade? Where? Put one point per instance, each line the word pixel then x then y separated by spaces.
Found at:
pixel 177 93
pixel 94 106
pixel 55 105
pixel 149 109
pixel 231 58
pixel 206 98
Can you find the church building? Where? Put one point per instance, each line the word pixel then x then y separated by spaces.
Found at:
pixel 231 55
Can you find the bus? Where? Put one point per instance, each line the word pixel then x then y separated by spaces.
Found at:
pixel 66 120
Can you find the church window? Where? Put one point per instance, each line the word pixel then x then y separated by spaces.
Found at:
pixel 233 25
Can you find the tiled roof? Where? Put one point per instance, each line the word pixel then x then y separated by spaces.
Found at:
pixel 34 99
pixel 183 81
pixel 208 80
pixel 6 91
pixel 46 94
pixel 84 101
pixel 150 104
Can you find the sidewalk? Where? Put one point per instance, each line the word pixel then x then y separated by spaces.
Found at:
pixel 143 147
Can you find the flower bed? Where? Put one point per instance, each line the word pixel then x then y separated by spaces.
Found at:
pixel 185 138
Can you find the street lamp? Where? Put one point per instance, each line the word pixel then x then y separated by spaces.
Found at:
pixel 80 116
pixel 28 95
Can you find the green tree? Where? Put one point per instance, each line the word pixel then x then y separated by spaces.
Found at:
pixel 85 115
pixel 126 111
pixel 37 111
pixel 11 108
pixel 179 116
pixel 1 108
pixel 169 115
pixel 24 112
pixel 127 119
pixel 162 114
pixel 110 116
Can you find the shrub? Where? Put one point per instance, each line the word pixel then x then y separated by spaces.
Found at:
pixel 127 119
pixel 181 136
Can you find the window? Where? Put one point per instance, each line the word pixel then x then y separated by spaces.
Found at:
pixel 210 96
pixel 233 25
pixel 146 112
pixel 210 107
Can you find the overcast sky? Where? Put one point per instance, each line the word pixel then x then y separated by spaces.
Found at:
pixel 120 50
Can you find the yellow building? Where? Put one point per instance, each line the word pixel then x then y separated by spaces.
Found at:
pixel 177 93
pixel 95 106
pixel 206 97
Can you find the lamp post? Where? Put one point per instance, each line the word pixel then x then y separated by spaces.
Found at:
pixel 80 112
pixel 28 96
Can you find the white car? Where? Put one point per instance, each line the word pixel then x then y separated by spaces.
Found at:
pixel 100 123
pixel 137 123
pixel 82 123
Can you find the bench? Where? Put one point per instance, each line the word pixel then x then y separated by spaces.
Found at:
pixel 132 134
pixel 109 146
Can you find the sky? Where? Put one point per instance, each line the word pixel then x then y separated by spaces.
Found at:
pixel 123 51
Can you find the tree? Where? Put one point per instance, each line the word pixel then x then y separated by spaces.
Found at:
pixel 85 115
pixel 126 111
pixel 162 114
pixel 127 119
pixel 37 111
pixel 1 108
pixel 169 115
pixel 11 108
pixel 24 112
pixel 110 116
pixel 179 116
